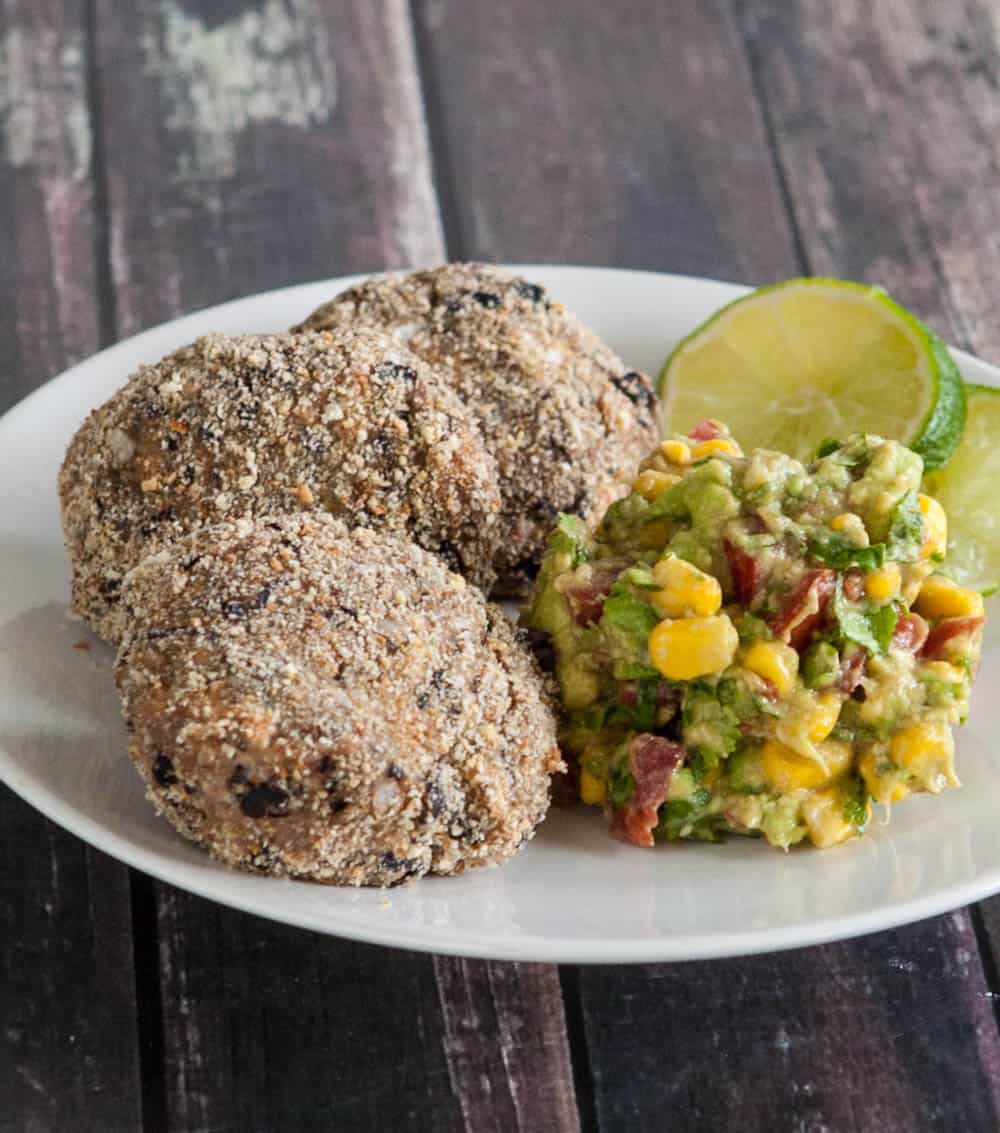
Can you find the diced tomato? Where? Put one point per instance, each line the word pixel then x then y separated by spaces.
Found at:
pixel 854 585
pixel 815 588
pixel 745 570
pixel 938 644
pixel 652 761
pixel 628 693
pixel 852 669
pixel 706 431
pixel 586 600
pixel 910 633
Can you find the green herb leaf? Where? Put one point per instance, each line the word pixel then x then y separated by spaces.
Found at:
pixel 834 550
pixel 711 720
pixel 571 537
pixel 621 783
pixel 870 626
pixel 825 447
pixel 628 613
pixel 906 530
pixel 855 808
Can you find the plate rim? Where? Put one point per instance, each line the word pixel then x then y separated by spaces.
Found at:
pixel 691 945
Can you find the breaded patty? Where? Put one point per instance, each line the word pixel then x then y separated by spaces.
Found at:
pixel 349 423
pixel 560 412
pixel 311 701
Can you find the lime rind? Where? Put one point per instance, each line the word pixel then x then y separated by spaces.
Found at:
pixel 935 427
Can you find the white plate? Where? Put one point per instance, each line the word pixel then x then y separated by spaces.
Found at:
pixel 573 895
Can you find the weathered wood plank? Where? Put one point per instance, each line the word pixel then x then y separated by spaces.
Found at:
pixel 890 1033
pixel 628 135
pixel 638 137
pixel 49 317
pixel 258 144
pixel 516 1011
pixel 68 1043
pixel 253 150
pixel 887 122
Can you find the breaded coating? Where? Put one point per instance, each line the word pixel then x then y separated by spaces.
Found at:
pixel 312 701
pixel 348 423
pixel 559 411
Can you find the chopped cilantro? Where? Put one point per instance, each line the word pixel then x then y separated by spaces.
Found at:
pixel 571 537
pixel 834 550
pixel 825 447
pixel 906 529
pixel 870 626
pixel 711 719
pixel 855 808
pixel 621 784
pixel 628 613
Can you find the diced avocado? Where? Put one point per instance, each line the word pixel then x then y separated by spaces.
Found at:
pixel 820 666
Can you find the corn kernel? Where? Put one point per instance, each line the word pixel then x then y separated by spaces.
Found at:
pixel 652 484
pixel 786 770
pixel 943 671
pixel 677 452
pixel 939 597
pixel 592 789
pixel 927 752
pixel 693 647
pixel 935 527
pixel 884 788
pixel 717 446
pixel 685 590
pixel 839 522
pixel 775 662
pixel 824 718
pixel 823 814
pixel 883 584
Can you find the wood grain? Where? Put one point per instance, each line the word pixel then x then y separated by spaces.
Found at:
pixel 887 124
pixel 891 1033
pixel 514 1011
pixel 252 151
pixel 627 134
pixel 47 267
pixel 68 1046
pixel 273 143
pixel 641 137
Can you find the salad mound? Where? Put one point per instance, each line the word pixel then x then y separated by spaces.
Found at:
pixel 754 645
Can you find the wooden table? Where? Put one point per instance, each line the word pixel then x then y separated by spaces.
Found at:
pixel 161 155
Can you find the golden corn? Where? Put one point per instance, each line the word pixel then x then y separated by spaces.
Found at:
pixel 824 718
pixel 775 662
pixel 592 789
pixel 716 446
pixel 685 590
pixel 939 597
pixel 935 526
pixel 839 522
pixel 885 788
pixel 883 584
pixel 927 752
pixel 786 770
pixel 677 452
pixel 823 814
pixel 652 484
pixel 693 647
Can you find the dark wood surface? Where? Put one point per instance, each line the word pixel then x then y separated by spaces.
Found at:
pixel 161 155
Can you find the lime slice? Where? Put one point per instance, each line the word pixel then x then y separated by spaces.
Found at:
pixel 967 489
pixel 792 364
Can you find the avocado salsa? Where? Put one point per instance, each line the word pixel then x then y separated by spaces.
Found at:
pixel 753 645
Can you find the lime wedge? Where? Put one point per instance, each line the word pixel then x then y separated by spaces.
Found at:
pixel 967 489
pixel 790 365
